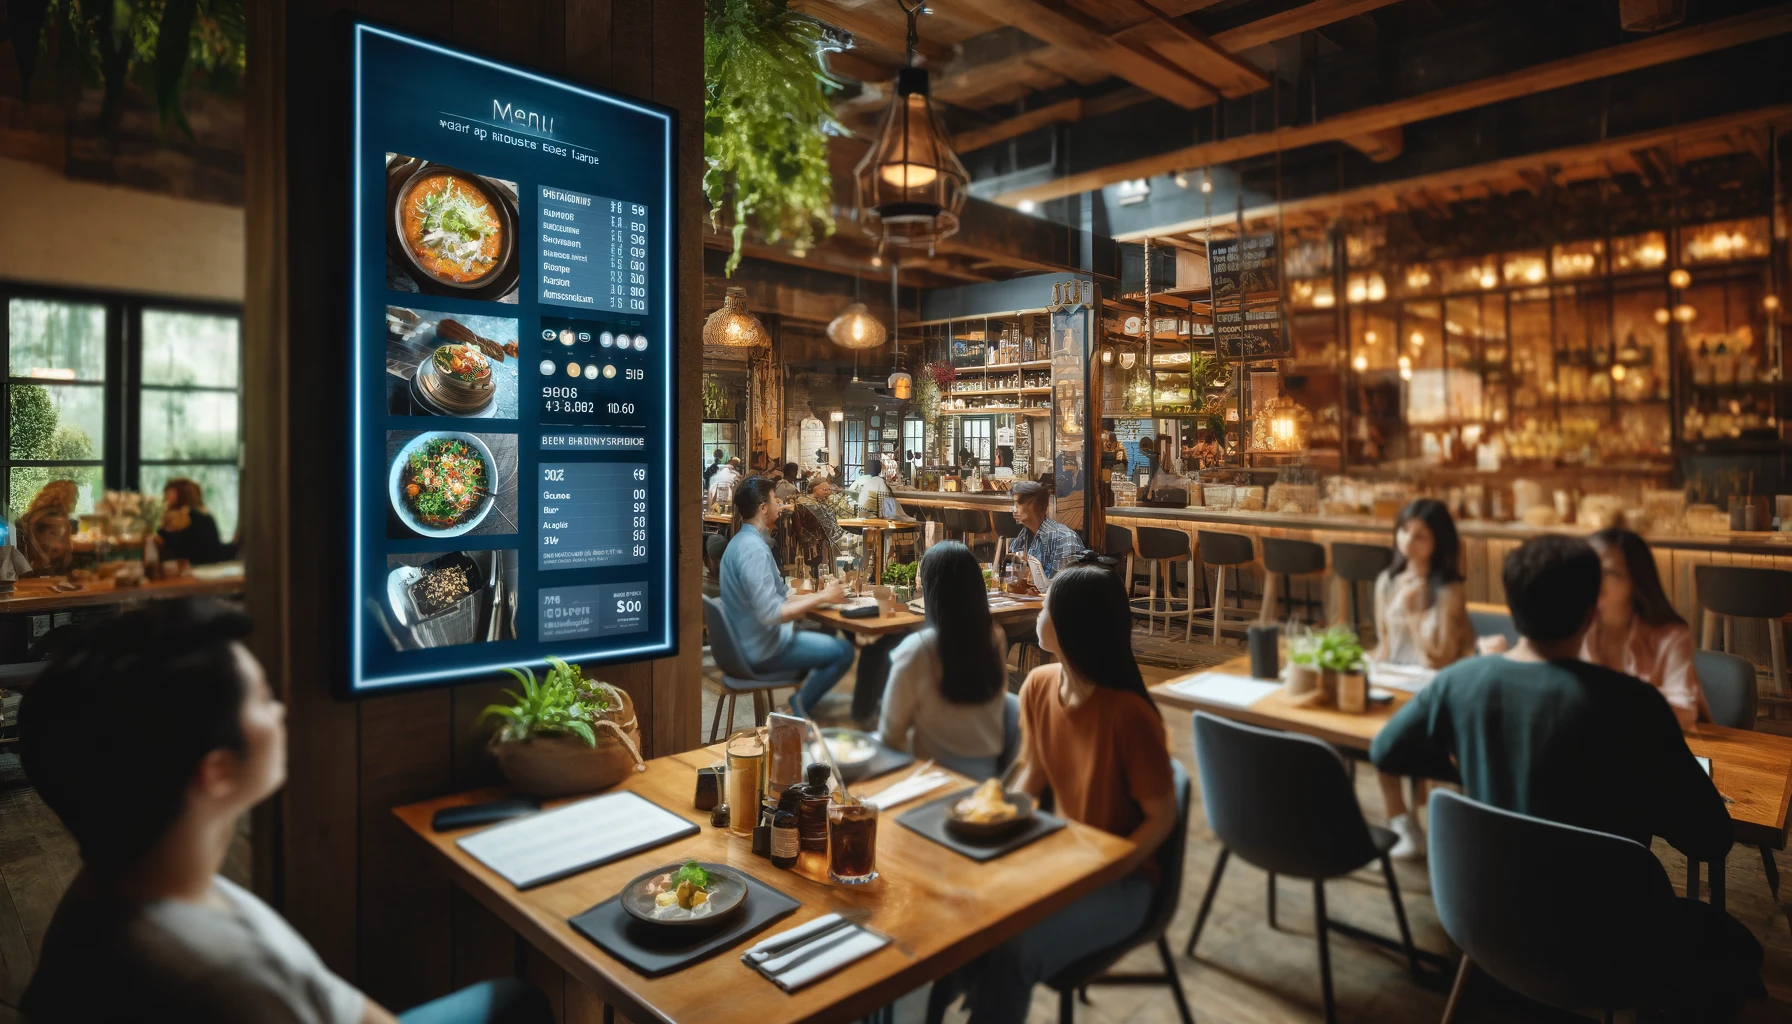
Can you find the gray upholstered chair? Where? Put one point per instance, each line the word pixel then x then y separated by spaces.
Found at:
pixel 738 676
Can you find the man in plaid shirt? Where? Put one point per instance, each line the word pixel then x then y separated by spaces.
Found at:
pixel 1053 543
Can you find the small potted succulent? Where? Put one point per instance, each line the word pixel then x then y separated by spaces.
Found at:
pixel 564 733
pixel 1301 678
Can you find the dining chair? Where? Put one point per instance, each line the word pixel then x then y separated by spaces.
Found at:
pixel 1094 969
pixel 738 676
pixel 978 769
pixel 1564 915
pixel 1284 802
pixel 1731 694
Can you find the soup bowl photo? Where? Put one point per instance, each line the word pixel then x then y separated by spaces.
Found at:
pixel 405 503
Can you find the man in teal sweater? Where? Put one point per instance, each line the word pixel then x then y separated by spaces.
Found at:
pixel 1538 731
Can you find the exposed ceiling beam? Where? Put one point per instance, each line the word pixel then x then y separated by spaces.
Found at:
pixel 1187 48
pixel 1293 22
pixel 1381 145
pixel 1068 110
pixel 874 26
pixel 1072 30
pixel 1473 181
pixel 1612 60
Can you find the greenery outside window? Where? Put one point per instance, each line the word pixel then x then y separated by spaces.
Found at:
pixel 116 392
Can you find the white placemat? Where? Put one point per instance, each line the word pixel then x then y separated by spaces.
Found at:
pixel 1225 688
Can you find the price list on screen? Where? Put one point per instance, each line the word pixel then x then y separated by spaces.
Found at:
pixel 593 251
pixel 593 515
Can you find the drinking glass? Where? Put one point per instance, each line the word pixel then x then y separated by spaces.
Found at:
pixel 746 780
pixel 852 843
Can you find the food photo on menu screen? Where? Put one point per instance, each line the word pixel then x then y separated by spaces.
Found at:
pixel 511 401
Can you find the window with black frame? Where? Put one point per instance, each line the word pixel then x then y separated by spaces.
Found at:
pixel 852 448
pixel 122 393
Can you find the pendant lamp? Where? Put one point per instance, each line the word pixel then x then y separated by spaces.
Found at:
pixel 902 386
pixel 732 325
pixel 856 328
pixel 911 186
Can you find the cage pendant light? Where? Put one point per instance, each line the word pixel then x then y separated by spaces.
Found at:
pixel 911 186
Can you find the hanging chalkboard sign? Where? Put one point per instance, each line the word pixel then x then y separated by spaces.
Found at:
pixel 1253 333
pixel 1243 266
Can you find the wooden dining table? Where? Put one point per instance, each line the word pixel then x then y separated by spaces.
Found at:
pixel 1752 769
pixel 941 909
pixel 1003 609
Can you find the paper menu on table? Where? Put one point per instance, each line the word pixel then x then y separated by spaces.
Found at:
pixel 1409 678
pixel 553 844
pixel 1225 688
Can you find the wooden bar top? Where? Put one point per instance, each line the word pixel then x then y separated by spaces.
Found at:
pixel 37 596
pixel 1753 769
pixel 942 910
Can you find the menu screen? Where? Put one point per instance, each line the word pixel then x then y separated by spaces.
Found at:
pixel 512 368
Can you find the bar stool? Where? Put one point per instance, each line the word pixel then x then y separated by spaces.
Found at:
pixel 1735 592
pixel 1284 559
pixel 1164 548
pixel 1223 551
pixel 1119 545
pixel 1359 563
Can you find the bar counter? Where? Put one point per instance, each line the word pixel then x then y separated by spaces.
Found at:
pixel 1485 543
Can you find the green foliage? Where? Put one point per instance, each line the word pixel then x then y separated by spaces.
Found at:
pixel 33 422
pixel 562 703
pixel 1339 650
pixel 718 403
pixel 38 433
pixel 766 120
pixel 162 45
pixel 901 574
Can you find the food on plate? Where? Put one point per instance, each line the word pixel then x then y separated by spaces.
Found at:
pixel 463 362
pixel 987 806
pixel 444 482
pixel 686 889
pixel 439 588
pixel 849 747
pixel 510 349
pixel 451 227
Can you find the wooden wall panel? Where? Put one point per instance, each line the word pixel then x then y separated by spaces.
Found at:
pixel 329 853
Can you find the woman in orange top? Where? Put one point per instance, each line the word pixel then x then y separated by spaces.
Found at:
pixel 1093 737
pixel 1637 631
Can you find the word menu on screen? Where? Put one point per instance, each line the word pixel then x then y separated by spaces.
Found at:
pixel 511 395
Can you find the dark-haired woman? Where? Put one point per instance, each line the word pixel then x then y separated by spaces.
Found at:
pixel 761 609
pixel 1421 618
pixel 1637 631
pixel 948 684
pixel 1096 740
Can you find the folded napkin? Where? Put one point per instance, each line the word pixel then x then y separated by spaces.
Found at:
pixel 794 958
pixel 908 789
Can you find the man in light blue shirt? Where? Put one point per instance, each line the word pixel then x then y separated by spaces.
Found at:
pixel 761 611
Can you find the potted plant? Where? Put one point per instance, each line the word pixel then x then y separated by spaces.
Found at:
pixel 564 733
pixel 1340 658
pixel 900 578
pixel 1301 677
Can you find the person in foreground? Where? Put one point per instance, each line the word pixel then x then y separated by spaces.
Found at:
pixel 1540 732
pixel 1093 737
pixel 149 737
pixel 761 609
pixel 1637 631
pixel 948 683
pixel 1421 619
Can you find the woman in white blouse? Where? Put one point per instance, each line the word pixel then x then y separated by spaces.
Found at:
pixel 948 684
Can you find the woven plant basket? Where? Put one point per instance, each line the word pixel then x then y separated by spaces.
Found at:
pixel 550 766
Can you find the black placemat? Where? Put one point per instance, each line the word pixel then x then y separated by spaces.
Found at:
pixel 886 760
pixel 929 819
pixel 653 951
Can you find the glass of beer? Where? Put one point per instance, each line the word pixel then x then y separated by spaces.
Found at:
pixel 746 780
pixel 852 843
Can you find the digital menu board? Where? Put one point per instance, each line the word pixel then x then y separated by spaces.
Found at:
pixel 512 368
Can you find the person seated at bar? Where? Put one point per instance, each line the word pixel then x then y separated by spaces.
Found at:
pixel 45 533
pixel 1095 739
pixel 725 479
pixel 1538 731
pixel 946 692
pixel 1421 618
pixel 713 468
pixel 1043 544
pixel 1637 631
pixel 869 490
pixel 787 489
pixel 188 530
pixel 762 610
pixel 150 735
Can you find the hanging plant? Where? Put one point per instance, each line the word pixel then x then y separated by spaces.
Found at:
pixel 766 122
pixel 718 402
pixel 927 398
